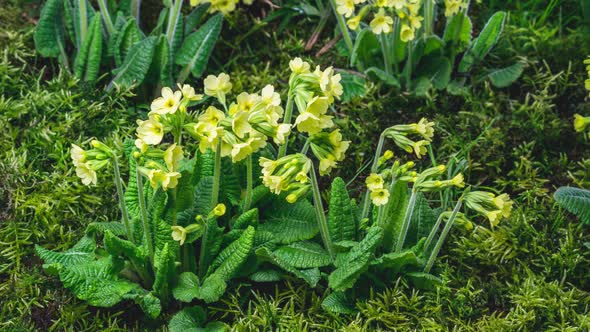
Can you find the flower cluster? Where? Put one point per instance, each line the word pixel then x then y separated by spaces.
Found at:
pixel 223 6
pixel 489 205
pixel 400 133
pixel 385 15
pixel 289 173
pixel 87 162
pixel 453 7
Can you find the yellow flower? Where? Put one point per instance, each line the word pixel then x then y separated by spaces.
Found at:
pixel 217 85
pixel 141 145
pixel 407 33
pixel 380 197
pixel 212 116
pixel 504 203
pixel 269 96
pixel 299 66
pixel 172 156
pixel 240 124
pixel 494 217
pixel 338 145
pixel 219 210
pixel 150 131
pixel 374 182
pixel 208 135
pixel 329 83
pixel 86 173
pixel 224 6
pixel 78 154
pixel 381 23
pixel 353 23
pixel 246 101
pixel 188 92
pixel 327 164
pixel 581 122
pixel 283 130
pixel 179 234
pixel 452 7
pixel 169 180
pixel 415 22
pixel 425 128
pixel 345 7
pixel 397 4
pixel 240 151
pixel 313 119
pixel 419 148
pixel 168 103
pixel 388 155
pixel 458 181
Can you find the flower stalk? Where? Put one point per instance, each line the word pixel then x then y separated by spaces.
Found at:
pixel 143 214
pixel 406 224
pixel 287 120
pixel 121 194
pixel 321 216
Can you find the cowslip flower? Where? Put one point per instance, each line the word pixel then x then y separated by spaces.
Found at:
pixel 286 173
pixel 218 86
pixel 381 23
pixel 493 207
pixel 172 156
pixel 329 83
pixel 380 196
pixel 345 7
pixel 188 93
pixel 581 122
pixel 219 210
pixel 299 66
pixel 354 22
pixel 452 7
pixel 179 234
pixel 168 103
pixel 374 182
pixel 313 119
pixel 85 172
pixel 407 33
pixel 150 131
pixel 77 154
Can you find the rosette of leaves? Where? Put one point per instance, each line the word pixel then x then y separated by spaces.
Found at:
pixel 112 41
pixel 451 61
pixel 105 267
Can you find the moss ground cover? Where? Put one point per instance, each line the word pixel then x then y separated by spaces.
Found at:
pixel 531 272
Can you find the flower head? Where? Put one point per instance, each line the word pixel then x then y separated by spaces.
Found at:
pixel 150 131
pixel 381 23
pixel 168 103
pixel 380 196
pixel 219 210
pixel 179 234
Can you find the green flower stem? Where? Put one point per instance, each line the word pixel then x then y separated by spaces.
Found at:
pixel 342 26
pixel 287 120
pixel 374 167
pixel 143 212
pixel 83 15
pixel 216 176
pixel 134 8
pixel 203 251
pixel 321 216
pixel 428 17
pixel 432 233
pixel 172 20
pixel 386 53
pixel 406 224
pixel 249 184
pixel 443 235
pixel 121 195
pixel 409 64
pixel 394 40
pixel 104 10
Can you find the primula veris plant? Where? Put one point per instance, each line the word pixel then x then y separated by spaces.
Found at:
pixel 395 42
pixel 111 40
pixel 577 200
pixel 223 186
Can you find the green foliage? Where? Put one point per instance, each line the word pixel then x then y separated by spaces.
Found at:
pixel 137 55
pixel 341 221
pixel 575 200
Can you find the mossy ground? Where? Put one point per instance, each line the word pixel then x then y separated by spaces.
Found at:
pixel 530 273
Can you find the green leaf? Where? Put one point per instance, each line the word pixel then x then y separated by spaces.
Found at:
pixel 97 282
pixel 395 211
pixel 341 222
pixel 397 260
pixel 119 247
pixel 82 252
pixel 87 63
pixel 575 200
pixel 248 218
pixel 193 19
pixel 150 304
pixel 486 40
pixel 197 47
pixel 187 288
pixel 136 64
pixel 379 75
pixel 68 20
pixel 227 263
pixel 165 272
pixel 212 238
pixel 366 50
pixel 290 222
pixel 203 196
pixel 423 219
pixel 338 303
pixel 161 66
pixel 124 40
pixel 117 228
pixel 311 276
pixel 350 266
pixel 424 280
pixel 49 34
pixel 304 255
pixel 266 275
pixel 437 70
pixel 188 320
pixel 504 77
pixel 458 32
pixel 212 288
pixel 353 86
pixel 433 44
